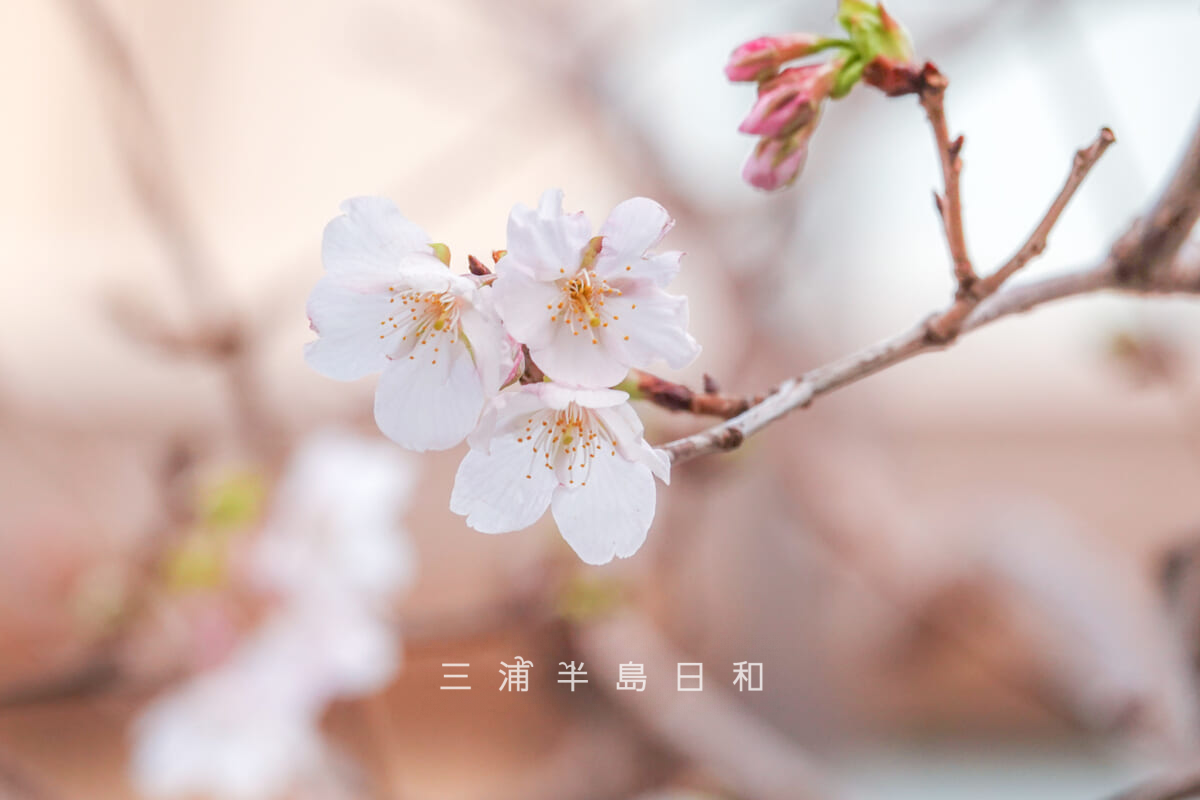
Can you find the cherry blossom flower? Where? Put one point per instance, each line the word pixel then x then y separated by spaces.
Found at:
pixel 388 304
pixel 332 554
pixel 589 308
pixel 578 451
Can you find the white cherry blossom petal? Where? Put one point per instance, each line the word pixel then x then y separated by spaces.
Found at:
pixel 528 307
pixel 502 416
pixel 545 242
pixel 494 351
pixel 626 428
pixel 387 303
pixel 659 269
pixel 610 516
pixel 581 313
pixel 430 400
pixel 559 396
pixel 632 228
pixel 364 245
pixel 585 358
pixel 503 490
pixel 580 450
pixel 652 326
pixel 349 325
pixel 360 329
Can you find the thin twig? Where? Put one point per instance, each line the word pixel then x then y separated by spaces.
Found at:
pixel 947 325
pixel 932 96
pixel 677 397
pixel 800 392
pixel 967 313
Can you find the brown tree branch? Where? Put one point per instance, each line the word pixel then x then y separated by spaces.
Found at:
pixel 800 392
pixel 1152 242
pixel 932 94
pixel 677 397
pixel 947 325
pixel 1157 275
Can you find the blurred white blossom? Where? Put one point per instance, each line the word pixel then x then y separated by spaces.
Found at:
pixel 333 554
pixel 334 516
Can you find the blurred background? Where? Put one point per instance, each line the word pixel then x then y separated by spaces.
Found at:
pixel 977 574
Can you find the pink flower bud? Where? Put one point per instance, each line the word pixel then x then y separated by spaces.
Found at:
pixel 790 100
pixel 775 163
pixel 760 58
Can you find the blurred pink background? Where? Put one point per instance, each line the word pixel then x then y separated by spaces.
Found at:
pixel 952 571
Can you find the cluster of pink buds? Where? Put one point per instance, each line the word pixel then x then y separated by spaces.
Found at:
pixel 785 116
pixel 789 103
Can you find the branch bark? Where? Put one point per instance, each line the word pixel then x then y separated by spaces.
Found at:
pixel 947 325
pixel 932 94
pixel 988 302
pixel 677 397
pixel 800 392
pixel 1153 241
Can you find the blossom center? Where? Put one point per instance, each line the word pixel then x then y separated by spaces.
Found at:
pixel 566 442
pixel 423 317
pixel 582 306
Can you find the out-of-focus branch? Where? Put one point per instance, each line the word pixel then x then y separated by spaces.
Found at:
pixel 213 333
pixel 744 754
pixel 139 134
pixel 101 668
pixel 1143 242
pixel 1154 240
pixel 15 785
pixel 154 176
